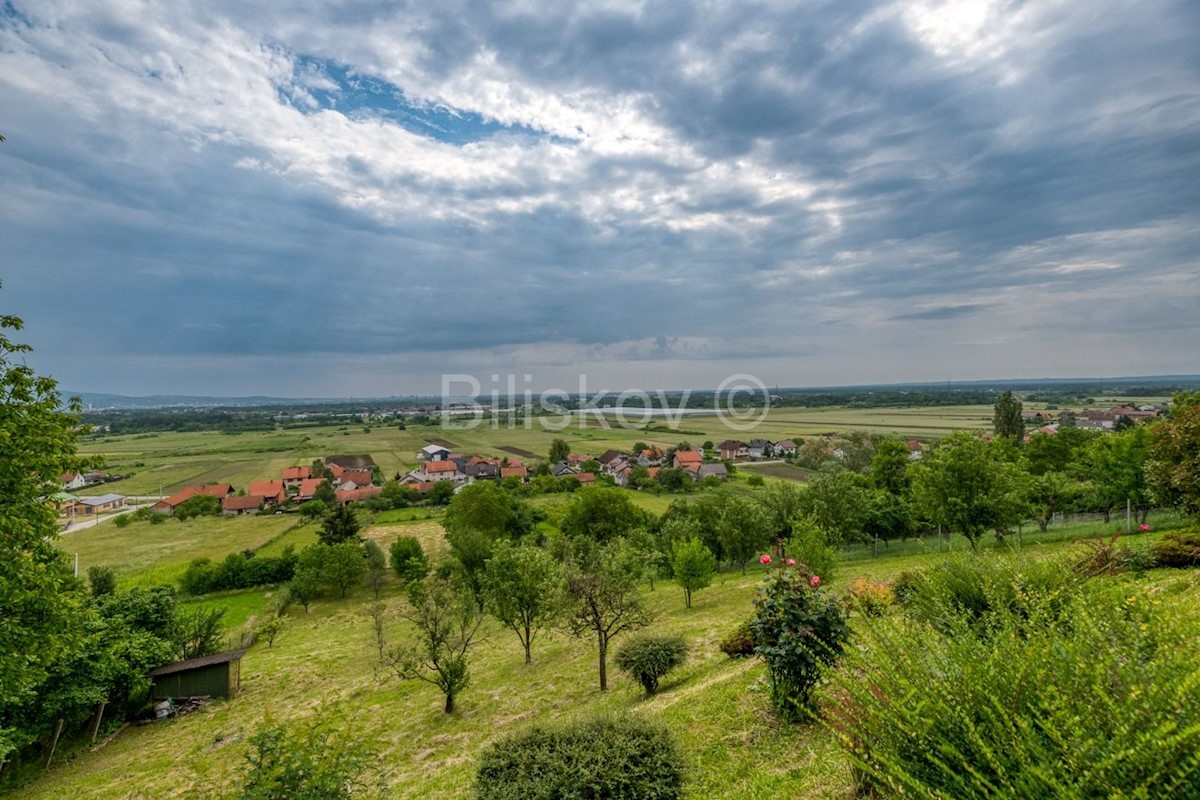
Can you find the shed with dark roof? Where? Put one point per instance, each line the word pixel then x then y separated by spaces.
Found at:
pixel 213 676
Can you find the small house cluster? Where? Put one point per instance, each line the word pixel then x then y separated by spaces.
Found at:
pixel 437 463
pixel 352 477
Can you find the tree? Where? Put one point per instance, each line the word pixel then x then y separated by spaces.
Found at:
pixel 602 589
pixel 1049 494
pixel 1058 452
pixel 486 507
pixel 602 514
pixel 408 559
pixel 693 566
pixel 312 509
pixel 524 590
pixel 344 566
pixel 782 501
pixel 198 632
pixel 745 530
pixel 376 565
pixel 38 606
pixel 268 628
pixel 340 525
pixel 889 467
pixel 202 505
pixel 969 485
pixel 446 620
pixel 1173 465
pixel 325 492
pixel 1007 421
pixel 559 451
pixel 1116 466
pixel 838 501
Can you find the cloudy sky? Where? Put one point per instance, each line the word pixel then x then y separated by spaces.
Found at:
pixel 337 198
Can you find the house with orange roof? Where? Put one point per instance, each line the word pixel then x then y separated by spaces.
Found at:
pixel 292 476
pixel 272 492
pixel 360 479
pixel 687 459
pixel 438 471
pixel 308 488
pixel 518 471
pixel 167 505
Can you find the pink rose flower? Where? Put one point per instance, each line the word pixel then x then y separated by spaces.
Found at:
pixel 816 580
pixel 791 562
pixel 764 559
pixel 1143 527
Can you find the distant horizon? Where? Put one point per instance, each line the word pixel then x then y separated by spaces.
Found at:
pixel 182 397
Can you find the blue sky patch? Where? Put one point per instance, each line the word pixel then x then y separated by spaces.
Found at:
pixel 340 88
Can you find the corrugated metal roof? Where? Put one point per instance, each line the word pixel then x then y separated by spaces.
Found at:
pixel 197 663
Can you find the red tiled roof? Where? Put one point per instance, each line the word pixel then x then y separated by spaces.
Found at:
pixel 653 471
pixel 309 486
pixel 423 486
pixel 360 478
pixel 435 467
pixel 514 472
pixel 188 492
pixel 235 503
pixel 584 477
pixel 267 489
pixel 354 495
pixel 335 470
pixel 688 456
pixel 297 473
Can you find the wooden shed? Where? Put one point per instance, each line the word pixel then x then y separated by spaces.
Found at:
pixel 215 676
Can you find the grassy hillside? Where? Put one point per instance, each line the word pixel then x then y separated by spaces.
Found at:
pixel 325 663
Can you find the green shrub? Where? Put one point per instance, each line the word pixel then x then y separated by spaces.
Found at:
pixel 1178 549
pixel 798 630
pixel 315 762
pixel 810 545
pixel 1084 693
pixel 974 587
pixel 102 580
pixel 594 760
pixel 408 559
pixel 648 657
pixel 157 519
pixel 739 642
pixel 123 521
pixel 870 598
pixel 905 586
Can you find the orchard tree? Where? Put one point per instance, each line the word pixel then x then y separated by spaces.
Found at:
pixel 1115 464
pixel 1007 421
pixel 603 597
pixel 970 485
pixel 602 514
pixel 1173 466
pixel 745 530
pixel 838 501
pixel 524 590
pixel 889 467
pixel 1051 493
pixel 693 566
pixel 447 622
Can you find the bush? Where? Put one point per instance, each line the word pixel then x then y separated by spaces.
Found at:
pixel 975 587
pixel 1084 693
pixel 870 598
pixel 810 544
pixel 316 762
pixel 595 759
pixel 1178 549
pixel 408 559
pixel 1106 557
pixel 798 629
pixel 739 642
pixel 648 657
pixel 202 505
pixel 237 571
pixel 123 521
pixel 905 586
pixel 102 580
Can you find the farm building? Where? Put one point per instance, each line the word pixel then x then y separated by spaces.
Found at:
pixel 87 506
pixel 214 676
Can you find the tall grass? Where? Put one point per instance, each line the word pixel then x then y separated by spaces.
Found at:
pixel 1018 686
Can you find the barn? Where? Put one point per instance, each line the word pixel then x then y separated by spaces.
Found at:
pixel 213 676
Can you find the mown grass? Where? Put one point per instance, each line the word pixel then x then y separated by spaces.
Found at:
pixel 325 663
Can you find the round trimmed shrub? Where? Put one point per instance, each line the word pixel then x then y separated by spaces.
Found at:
pixel 647 658
pixel 597 759
pixel 739 642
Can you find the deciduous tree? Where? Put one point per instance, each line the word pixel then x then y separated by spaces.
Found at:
pixel 524 590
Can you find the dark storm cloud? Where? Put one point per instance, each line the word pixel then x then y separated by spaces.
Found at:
pixel 655 182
